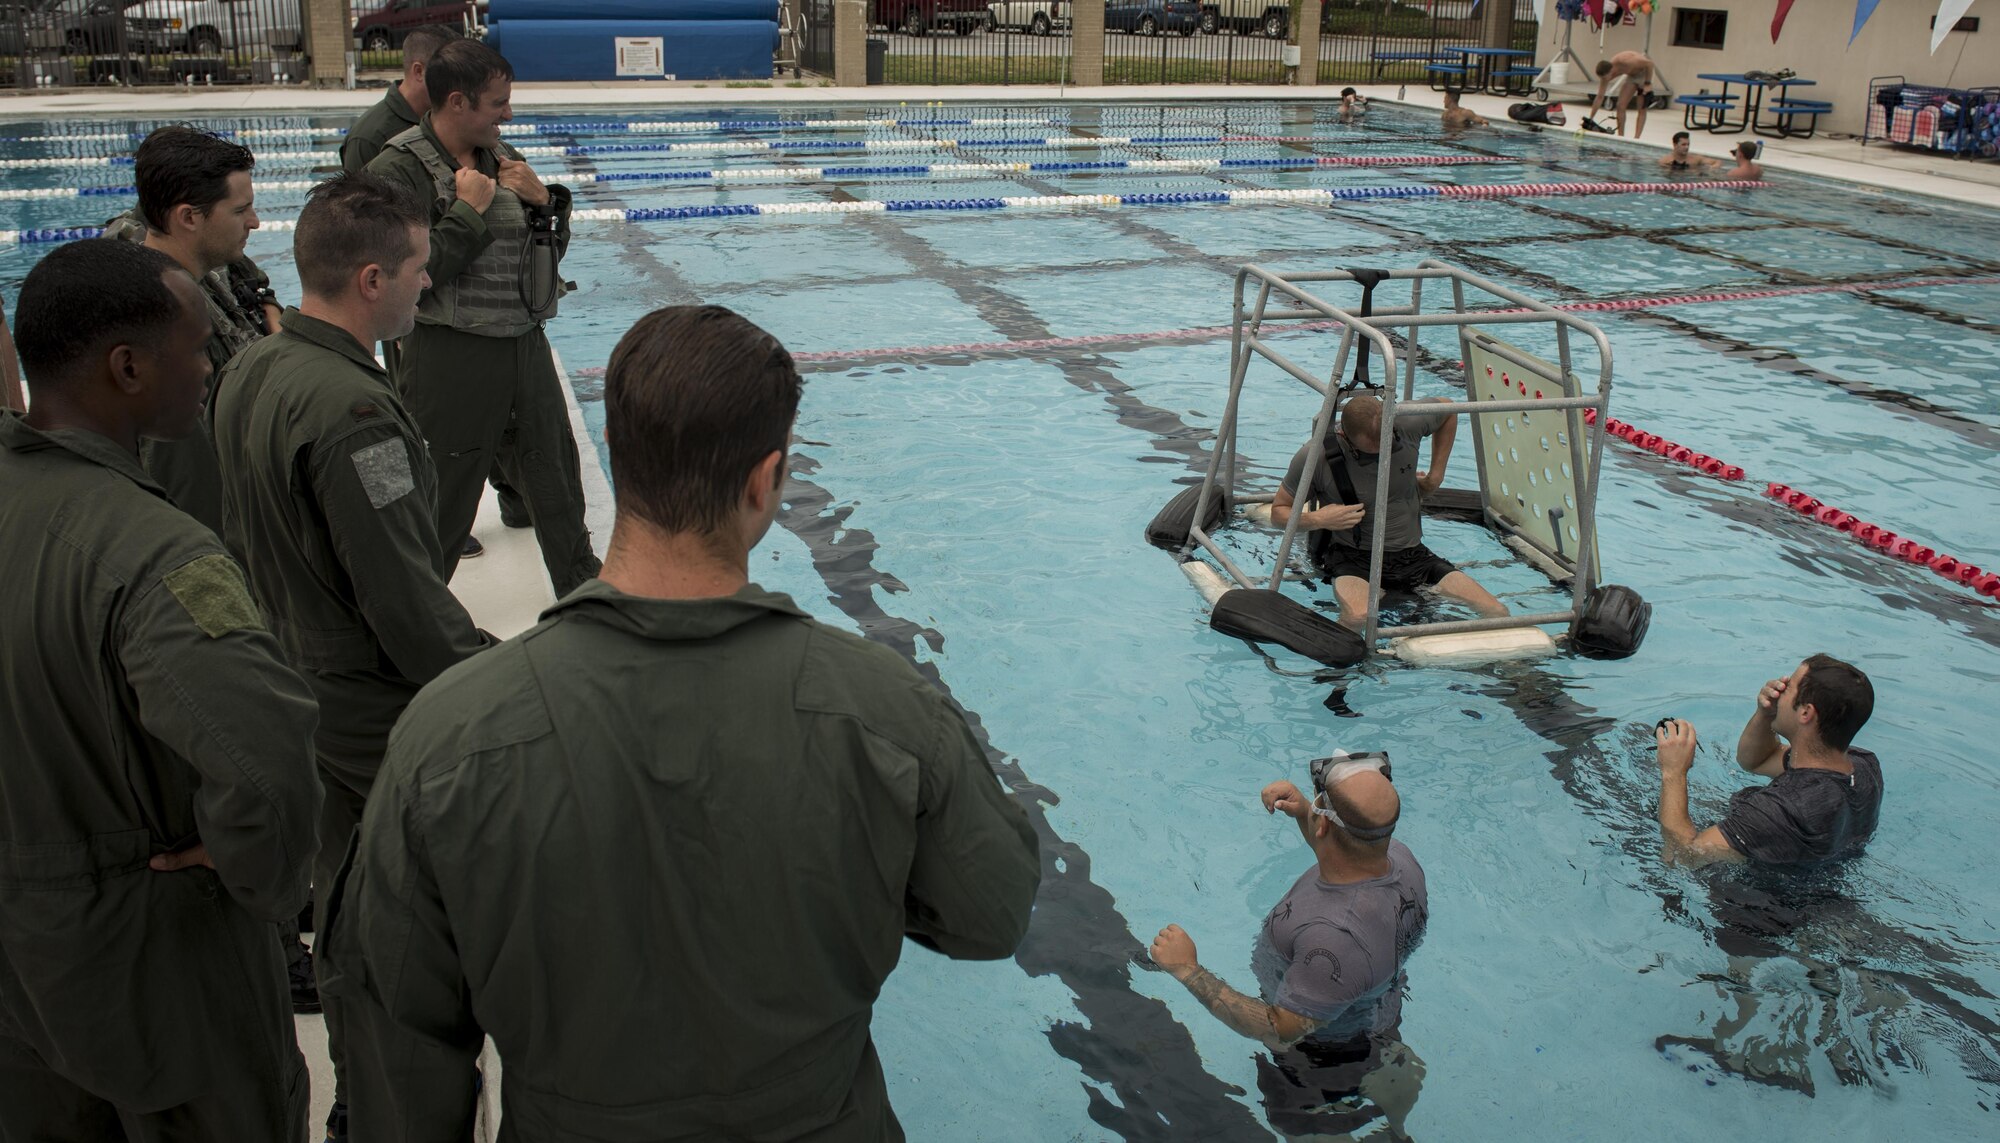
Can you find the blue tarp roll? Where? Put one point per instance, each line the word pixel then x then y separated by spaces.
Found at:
pixel 576 50
pixel 504 10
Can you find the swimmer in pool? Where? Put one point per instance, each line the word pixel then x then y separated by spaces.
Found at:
pixel 1746 166
pixel 1457 118
pixel 1353 105
pixel 1682 160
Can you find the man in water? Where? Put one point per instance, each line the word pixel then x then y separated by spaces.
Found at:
pixel 1824 796
pixel 1746 166
pixel 1636 70
pixel 1683 159
pixel 1353 105
pixel 1329 959
pixel 1343 510
pixel 1458 118
pixel 737 814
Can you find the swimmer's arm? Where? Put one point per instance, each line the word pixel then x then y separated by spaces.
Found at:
pixel 1597 100
pixel 1680 844
pixel 1275 1028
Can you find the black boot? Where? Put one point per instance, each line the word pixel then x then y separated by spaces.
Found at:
pixel 336 1124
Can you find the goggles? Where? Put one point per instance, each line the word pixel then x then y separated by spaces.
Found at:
pixel 1330 772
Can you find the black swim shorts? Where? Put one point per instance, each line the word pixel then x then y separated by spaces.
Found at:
pixel 1406 569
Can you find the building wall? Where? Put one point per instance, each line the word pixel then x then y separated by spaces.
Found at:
pixel 1896 41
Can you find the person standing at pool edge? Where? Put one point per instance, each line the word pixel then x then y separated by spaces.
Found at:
pixel 477 371
pixel 403 106
pixel 1825 794
pixel 156 787
pixel 737 815
pixel 1329 959
pixel 1636 70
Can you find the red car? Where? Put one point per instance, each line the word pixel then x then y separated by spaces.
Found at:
pixel 384 28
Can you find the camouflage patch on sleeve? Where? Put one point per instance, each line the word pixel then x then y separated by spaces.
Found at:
pixel 213 592
pixel 384 469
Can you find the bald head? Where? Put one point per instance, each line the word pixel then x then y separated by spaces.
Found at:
pixel 1365 801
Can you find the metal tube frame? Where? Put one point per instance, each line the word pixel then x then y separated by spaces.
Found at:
pixel 1244 343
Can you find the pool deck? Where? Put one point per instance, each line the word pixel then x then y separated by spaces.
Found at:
pixel 1969 181
pixel 506 588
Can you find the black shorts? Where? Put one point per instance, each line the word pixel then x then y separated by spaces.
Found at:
pixel 1406 569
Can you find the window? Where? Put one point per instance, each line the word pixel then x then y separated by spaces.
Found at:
pixel 1699 27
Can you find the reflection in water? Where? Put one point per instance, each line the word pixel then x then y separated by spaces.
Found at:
pixel 1342 1092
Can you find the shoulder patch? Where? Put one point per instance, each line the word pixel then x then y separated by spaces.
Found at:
pixel 384 469
pixel 212 591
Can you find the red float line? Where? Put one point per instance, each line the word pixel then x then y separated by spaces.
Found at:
pixel 1870 535
pixel 1508 190
pixel 1211 331
pixel 1408 160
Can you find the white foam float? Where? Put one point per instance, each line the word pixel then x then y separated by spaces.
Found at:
pixel 1468 648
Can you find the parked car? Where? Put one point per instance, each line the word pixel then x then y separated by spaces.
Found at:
pixel 916 17
pixel 209 27
pixel 385 27
pixel 28 27
pixel 107 26
pixel 1246 16
pixel 1151 17
pixel 1042 17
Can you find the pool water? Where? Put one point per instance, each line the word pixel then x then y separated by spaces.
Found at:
pixel 982 511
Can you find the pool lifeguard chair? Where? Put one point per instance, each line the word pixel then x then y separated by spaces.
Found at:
pixel 1536 448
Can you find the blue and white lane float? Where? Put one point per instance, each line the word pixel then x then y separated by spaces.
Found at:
pixel 754 146
pixel 529 130
pixel 818 174
pixel 1306 197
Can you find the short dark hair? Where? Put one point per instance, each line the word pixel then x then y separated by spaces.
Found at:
pixel 422 44
pixel 1347 91
pixel 464 66
pixel 1679 135
pixel 694 398
pixel 1603 68
pixel 1361 416
pixel 177 165
pixel 1840 694
pixel 349 221
pixel 1748 149
pixel 85 296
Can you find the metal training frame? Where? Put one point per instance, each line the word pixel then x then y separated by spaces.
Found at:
pixel 1294 293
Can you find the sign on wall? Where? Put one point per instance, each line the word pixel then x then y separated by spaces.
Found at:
pixel 641 57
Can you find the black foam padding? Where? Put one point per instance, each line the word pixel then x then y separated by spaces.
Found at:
pixel 1613 625
pixel 1266 616
pixel 1170 526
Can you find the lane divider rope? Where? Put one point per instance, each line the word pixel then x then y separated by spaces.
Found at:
pixel 1869 535
pixel 519 130
pixel 815 174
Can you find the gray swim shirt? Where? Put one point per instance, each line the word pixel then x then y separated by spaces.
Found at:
pixel 1404 519
pixel 1335 952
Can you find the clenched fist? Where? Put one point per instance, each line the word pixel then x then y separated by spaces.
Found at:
pixel 474 189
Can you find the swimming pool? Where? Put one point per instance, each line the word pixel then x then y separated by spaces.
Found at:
pixel 981 509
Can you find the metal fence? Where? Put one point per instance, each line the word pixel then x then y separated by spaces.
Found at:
pixel 811 23
pixel 60 43
pixel 972 41
pixel 1396 41
pixel 1180 41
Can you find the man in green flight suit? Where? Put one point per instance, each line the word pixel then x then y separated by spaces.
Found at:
pixel 330 491
pixel 196 206
pixel 402 108
pixel 403 105
pixel 156 789
pixel 664 847
pixel 477 371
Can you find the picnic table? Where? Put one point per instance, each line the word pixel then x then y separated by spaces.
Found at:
pixel 1748 105
pixel 1476 69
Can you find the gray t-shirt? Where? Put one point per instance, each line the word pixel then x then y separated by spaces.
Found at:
pixel 1403 519
pixel 1807 816
pixel 1335 952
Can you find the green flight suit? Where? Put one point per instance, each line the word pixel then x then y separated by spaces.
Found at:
pixel 143 708
pixel 665 854
pixel 482 398
pixel 187 468
pixel 379 124
pixel 329 491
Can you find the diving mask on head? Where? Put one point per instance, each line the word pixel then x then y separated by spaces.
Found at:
pixel 1332 771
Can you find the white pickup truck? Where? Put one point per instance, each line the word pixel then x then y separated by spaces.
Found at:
pixel 1245 17
pixel 1042 17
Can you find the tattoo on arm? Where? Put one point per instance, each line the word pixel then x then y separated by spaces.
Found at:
pixel 1247 1017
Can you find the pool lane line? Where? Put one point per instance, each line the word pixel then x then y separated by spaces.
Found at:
pixel 817 174
pixel 1200 333
pixel 1077 935
pixel 608 127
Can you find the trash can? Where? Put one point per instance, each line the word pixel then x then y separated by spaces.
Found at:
pixel 878 61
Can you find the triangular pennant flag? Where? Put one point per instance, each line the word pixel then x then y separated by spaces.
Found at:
pixel 1948 14
pixel 1595 10
pixel 1862 10
pixel 1778 21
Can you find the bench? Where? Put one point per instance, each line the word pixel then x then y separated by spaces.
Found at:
pixel 1506 77
pixel 1715 108
pixel 1442 75
pixel 1382 58
pixel 1787 113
